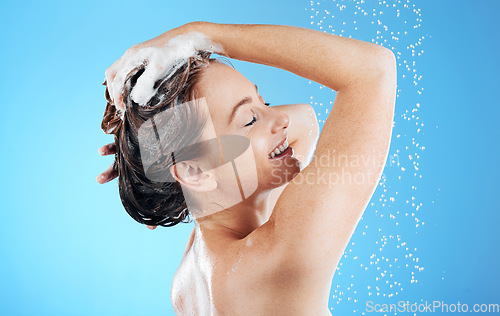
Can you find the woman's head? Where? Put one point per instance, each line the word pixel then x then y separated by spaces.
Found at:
pixel 152 202
pixel 235 108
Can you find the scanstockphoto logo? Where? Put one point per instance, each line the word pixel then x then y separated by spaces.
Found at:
pixel 431 307
pixel 186 132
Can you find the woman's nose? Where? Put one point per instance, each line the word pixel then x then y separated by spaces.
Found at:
pixel 281 121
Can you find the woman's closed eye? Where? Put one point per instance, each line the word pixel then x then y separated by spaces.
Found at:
pixel 254 119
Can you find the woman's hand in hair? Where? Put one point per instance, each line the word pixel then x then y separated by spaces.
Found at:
pixel 117 72
pixel 142 54
pixel 108 174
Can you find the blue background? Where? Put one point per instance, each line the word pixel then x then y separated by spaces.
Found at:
pixel 68 247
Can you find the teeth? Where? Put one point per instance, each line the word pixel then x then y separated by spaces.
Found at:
pixel 279 150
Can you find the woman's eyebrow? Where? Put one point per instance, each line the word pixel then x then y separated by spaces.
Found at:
pixel 235 109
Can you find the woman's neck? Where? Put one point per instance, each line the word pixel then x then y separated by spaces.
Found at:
pixel 239 220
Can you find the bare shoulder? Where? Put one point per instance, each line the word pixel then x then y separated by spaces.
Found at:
pixel 248 276
pixel 232 274
pixel 260 262
pixel 254 275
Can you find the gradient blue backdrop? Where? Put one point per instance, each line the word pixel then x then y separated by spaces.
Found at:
pixel 67 246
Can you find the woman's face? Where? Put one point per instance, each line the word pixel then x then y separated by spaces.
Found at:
pixel 236 108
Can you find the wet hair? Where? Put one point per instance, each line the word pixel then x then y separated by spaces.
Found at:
pixel 157 203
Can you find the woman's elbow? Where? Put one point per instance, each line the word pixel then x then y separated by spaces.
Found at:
pixel 386 62
pixel 311 121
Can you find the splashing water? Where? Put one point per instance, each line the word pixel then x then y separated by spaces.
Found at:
pixel 381 260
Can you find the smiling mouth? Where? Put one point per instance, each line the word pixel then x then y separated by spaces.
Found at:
pixel 279 150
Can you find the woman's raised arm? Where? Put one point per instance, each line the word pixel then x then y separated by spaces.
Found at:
pixel 318 211
pixel 325 58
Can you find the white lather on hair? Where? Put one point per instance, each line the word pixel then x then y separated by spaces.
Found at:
pixel 161 62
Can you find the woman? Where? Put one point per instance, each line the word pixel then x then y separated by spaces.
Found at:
pixel 274 252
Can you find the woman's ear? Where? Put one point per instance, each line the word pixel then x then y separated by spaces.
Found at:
pixel 190 175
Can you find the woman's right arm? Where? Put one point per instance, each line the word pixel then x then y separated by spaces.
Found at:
pixel 325 58
pixel 318 211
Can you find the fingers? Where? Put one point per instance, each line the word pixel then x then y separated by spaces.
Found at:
pixel 113 83
pixel 118 83
pixel 123 67
pixel 118 72
pixel 108 149
pixel 110 76
pixel 108 175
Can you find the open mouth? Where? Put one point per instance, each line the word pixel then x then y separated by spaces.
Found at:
pixel 281 150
